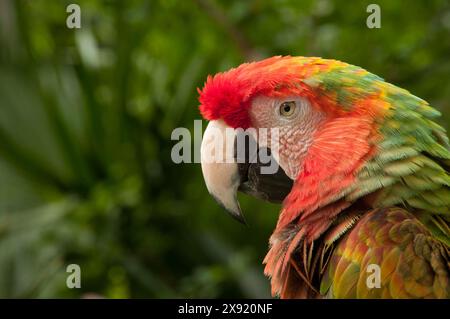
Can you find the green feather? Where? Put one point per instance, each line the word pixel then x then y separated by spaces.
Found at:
pixel 419 202
pixel 402 168
pixel 370 185
pixel 396 153
pixel 420 183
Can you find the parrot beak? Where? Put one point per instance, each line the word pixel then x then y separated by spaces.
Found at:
pixel 228 169
pixel 220 168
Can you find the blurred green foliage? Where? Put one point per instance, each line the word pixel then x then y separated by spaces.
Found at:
pixel 86 117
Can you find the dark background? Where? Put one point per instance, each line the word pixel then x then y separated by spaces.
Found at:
pixel 86 117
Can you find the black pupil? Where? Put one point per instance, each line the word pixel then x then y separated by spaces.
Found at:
pixel 287 108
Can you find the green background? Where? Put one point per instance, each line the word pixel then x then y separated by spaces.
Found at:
pixel 86 117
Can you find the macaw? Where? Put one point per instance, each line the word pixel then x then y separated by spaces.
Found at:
pixel 363 177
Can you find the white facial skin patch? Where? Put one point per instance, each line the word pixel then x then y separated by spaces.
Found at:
pixel 296 127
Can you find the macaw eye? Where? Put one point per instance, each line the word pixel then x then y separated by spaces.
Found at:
pixel 287 108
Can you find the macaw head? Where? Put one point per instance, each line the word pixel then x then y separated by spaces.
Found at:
pixel 328 122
